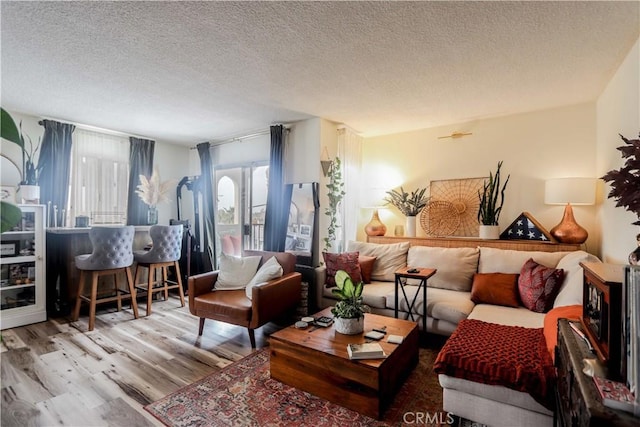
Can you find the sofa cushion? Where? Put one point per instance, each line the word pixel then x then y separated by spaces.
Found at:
pixel 571 290
pixel 510 316
pixel 538 286
pixel 366 267
pixel 390 257
pixel 495 288
pixel 375 294
pixel 494 260
pixel 442 304
pixel 236 272
pixel 455 266
pixel 347 261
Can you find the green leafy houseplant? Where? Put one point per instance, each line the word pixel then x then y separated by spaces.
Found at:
pixel 410 204
pixel 335 193
pixel 350 305
pixel 13 133
pixel 490 206
pixel 625 182
pixel 10 214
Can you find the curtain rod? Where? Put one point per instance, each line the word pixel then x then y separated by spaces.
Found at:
pixel 240 138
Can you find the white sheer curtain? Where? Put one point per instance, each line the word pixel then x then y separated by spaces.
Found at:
pixel 350 153
pixel 99 177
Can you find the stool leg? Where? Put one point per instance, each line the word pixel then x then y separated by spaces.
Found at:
pixel 165 279
pixel 117 289
pixel 132 291
pixel 92 303
pixel 76 310
pixel 179 280
pixel 152 273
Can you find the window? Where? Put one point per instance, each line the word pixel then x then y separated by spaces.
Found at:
pixel 99 177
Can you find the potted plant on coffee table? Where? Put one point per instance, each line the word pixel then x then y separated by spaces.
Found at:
pixel 491 198
pixel 349 311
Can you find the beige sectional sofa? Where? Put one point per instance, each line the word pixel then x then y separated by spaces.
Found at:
pixel 449 302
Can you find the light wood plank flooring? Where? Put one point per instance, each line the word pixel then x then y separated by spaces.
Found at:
pixel 56 373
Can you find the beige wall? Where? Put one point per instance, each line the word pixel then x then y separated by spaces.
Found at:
pixel 534 147
pixel 618 112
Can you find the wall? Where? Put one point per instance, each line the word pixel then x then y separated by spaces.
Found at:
pixel 618 112
pixel 534 147
pixel 172 160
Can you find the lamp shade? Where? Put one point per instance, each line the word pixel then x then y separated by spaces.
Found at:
pixel 577 191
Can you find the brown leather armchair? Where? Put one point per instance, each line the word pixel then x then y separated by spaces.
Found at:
pixel 268 301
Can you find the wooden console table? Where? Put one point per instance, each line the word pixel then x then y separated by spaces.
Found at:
pixel 471 242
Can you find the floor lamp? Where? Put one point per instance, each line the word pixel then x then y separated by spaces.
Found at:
pixel 568 191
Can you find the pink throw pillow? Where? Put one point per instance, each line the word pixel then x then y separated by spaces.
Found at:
pixel 347 261
pixel 539 285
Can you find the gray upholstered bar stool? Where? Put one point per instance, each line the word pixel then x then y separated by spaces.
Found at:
pixel 165 252
pixel 112 253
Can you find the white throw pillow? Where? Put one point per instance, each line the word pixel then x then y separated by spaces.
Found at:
pixel 389 258
pixel 270 270
pixel 571 290
pixel 494 260
pixel 235 272
pixel 456 266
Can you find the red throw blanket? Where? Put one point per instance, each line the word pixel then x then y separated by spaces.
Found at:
pixel 510 356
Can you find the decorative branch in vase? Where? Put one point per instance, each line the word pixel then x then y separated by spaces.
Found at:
pixel 152 191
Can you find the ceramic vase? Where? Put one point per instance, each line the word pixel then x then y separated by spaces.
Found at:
pixel 30 194
pixel 489 232
pixel 410 226
pixel 349 326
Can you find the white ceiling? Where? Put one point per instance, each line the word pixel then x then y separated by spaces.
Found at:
pixel 193 71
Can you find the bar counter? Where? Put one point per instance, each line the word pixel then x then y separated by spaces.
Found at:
pixel 63 244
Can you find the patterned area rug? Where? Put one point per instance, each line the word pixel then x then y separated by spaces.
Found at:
pixel 243 394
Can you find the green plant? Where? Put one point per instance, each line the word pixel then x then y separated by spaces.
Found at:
pixel 489 210
pixel 335 193
pixel 625 182
pixel 408 204
pixel 14 134
pixel 350 305
pixel 10 215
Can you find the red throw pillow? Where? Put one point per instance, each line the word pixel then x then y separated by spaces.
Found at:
pixel 495 288
pixel 366 267
pixel 347 261
pixel 539 285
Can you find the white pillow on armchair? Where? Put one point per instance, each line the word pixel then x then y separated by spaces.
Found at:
pixel 235 272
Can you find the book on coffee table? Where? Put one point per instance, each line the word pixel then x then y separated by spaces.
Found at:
pixel 365 351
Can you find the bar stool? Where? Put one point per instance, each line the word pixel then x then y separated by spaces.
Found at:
pixel 165 252
pixel 112 253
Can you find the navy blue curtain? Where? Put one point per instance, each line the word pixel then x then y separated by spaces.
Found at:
pixel 54 164
pixel 208 206
pixel 140 163
pixel 278 196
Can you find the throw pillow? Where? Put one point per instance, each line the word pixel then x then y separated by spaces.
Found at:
pixel 366 267
pixel 538 286
pixel 270 270
pixel 347 261
pixel 495 288
pixel 236 272
pixel 390 257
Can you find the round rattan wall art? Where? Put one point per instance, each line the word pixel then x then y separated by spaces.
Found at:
pixel 461 196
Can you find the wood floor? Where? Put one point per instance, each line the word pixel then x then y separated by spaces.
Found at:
pixel 56 373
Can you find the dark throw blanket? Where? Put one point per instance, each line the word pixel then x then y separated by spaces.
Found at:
pixel 510 356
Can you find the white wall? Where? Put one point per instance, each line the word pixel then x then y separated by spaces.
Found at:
pixel 618 112
pixel 534 147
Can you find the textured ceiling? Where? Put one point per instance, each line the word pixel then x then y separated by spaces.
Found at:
pixel 193 71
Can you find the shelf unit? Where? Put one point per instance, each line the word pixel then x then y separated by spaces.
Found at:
pixel 22 273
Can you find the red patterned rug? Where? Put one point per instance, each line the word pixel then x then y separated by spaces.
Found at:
pixel 243 394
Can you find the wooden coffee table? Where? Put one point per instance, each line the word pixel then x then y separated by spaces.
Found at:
pixel 316 361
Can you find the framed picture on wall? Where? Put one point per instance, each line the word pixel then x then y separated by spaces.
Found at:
pixel 305 230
